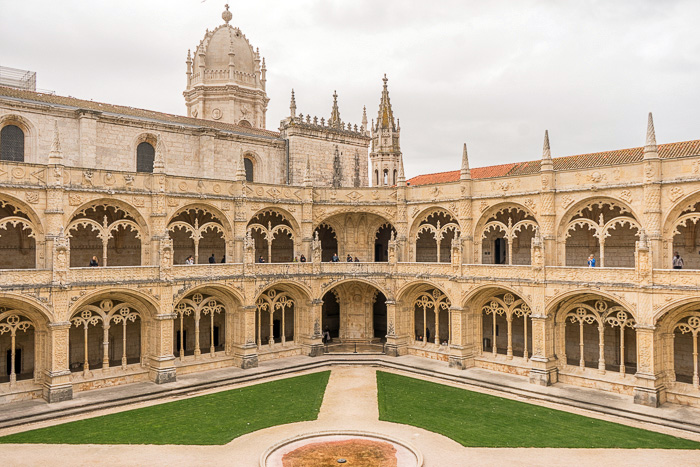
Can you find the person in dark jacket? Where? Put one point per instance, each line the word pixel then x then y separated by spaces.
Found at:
pixel 212 260
pixel 93 262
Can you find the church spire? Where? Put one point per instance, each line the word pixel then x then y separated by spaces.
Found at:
pixel 465 173
pixel 401 181
pixel 364 119
pixel 651 150
pixel 334 121
pixel 385 118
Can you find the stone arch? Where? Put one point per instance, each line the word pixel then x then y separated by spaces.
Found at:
pixel 503 234
pixel 376 285
pixel 503 321
pixel 384 234
pixel 328 237
pixel 595 224
pixel 206 320
pixel 361 311
pixel 257 165
pixel 145 137
pixel 278 316
pixel 103 228
pixel 678 331
pixel 593 330
pixel 23 331
pixel 21 235
pixel 146 304
pixel 680 232
pixel 431 235
pixel 426 307
pixel 356 232
pixel 199 227
pixel 30 134
pixel 276 235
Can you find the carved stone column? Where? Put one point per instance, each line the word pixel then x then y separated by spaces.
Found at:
pixel 396 339
pixel 649 389
pixel 461 338
pixel 315 340
pixel 57 381
pixel 544 364
pixel 244 348
pixel 162 361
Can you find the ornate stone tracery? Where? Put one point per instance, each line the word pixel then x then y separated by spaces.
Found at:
pixel 437 302
pixel 270 304
pixel 507 306
pixel 12 322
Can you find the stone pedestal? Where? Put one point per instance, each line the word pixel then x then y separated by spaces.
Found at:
pixel 543 370
pixel 649 389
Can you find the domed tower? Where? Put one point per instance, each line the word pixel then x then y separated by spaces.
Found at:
pixel 385 154
pixel 226 79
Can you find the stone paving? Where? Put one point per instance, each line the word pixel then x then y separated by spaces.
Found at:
pixel 350 403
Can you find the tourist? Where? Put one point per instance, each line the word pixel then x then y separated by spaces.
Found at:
pixel 591 261
pixel 223 259
pixel 677 261
pixel 212 260
pixel 261 259
pixel 295 260
pixel 335 258
pixel 93 262
pixel 189 260
pixel 302 259
pixel 427 334
pixel 326 335
pixel 349 258
pixel 357 260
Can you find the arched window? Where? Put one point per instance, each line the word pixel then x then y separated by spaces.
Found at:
pixel 144 157
pixel 248 164
pixel 12 144
pixel 376 177
pixel 394 178
pixel 386 177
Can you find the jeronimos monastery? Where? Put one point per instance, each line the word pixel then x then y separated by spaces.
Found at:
pixel 215 238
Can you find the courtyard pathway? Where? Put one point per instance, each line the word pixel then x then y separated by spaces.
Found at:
pixel 350 403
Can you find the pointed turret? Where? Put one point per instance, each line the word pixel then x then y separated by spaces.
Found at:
pixel 546 163
pixel 56 155
pixel 402 175
pixel 386 151
pixel 465 173
pixel 240 170
pixel 385 117
pixel 364 119
pixel 293 106
pixel 651 150
pixel 335 121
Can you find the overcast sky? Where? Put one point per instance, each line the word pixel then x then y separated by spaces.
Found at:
pixel 492 74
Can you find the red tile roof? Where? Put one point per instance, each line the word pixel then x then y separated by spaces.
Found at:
pixel 130 111
pixel 581 161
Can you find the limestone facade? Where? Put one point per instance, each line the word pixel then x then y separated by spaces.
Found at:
pixel 487 269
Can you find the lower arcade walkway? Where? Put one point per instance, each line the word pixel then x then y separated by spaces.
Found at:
pixel 350 403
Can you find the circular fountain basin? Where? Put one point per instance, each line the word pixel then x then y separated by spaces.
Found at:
pixel 341 448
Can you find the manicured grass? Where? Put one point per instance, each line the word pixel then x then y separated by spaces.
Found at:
pixel 481 420
pixel 212 419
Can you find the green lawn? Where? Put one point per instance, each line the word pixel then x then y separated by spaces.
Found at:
pixel 481 420
pixel 212 419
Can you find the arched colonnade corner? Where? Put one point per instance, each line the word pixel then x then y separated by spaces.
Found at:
pixel 577 336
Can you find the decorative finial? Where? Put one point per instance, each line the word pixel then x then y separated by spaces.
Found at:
pixel 307 175
pixel 226 15
pixel 546 151
pixel 465 173
pixel 385 79
pixel 402 176
pixel 651 151
pixel 240 171
pixel 293 106
pixel 335 121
